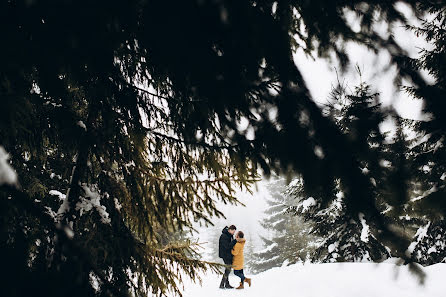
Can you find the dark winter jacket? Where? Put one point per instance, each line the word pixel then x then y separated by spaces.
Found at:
pixel 225 245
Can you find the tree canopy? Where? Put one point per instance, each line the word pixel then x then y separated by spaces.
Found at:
pixel 125 120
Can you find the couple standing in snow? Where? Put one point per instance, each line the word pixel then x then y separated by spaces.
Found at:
pixel 231 251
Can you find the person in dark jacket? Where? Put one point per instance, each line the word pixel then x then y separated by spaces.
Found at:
pixel 225 245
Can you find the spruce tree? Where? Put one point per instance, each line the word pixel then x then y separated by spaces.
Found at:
pixel 429 246
pixel 286 239
pixel 357 238
pixel 428 154
pixel 339 237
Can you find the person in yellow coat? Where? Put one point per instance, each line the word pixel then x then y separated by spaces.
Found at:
pixel 238 259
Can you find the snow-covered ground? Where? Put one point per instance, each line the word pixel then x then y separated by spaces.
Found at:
pixel 330 280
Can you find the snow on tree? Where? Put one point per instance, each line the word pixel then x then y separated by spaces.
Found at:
pixel 355 236
pixel 429 246
pixel 428 154
pixel 286 239
pixel 339 236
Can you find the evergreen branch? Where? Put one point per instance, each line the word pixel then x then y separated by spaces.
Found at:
pixel 200 144
pixel 206 181
pixel 79 170
pixel 158 95
pixel 62 232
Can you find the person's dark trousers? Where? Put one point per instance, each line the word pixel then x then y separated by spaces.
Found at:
pixel 240 274
pixel 225 280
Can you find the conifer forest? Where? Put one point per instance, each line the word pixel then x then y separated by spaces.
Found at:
pixel 129 130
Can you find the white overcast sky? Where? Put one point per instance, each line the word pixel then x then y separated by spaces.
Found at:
pixel 320 75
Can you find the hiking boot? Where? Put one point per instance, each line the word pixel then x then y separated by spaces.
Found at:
pixel 248 280
pixel 240 286
pixel 227 285
pixel 222 283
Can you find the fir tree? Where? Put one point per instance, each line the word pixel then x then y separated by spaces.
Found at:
pixel 429 246
pixel 287 239
pixel 428 154
pixel 339 236
pixel 356 238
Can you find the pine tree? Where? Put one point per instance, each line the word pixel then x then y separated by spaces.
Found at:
pixel 210 235
pixel 250 256
pixel 356 238
pixel 286 240
pixel 428 155
pixel 339 236
pixel 429 246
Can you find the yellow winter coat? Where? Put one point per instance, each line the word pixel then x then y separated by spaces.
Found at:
pixel 237 251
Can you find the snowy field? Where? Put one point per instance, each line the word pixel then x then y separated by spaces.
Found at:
pixel 330 280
